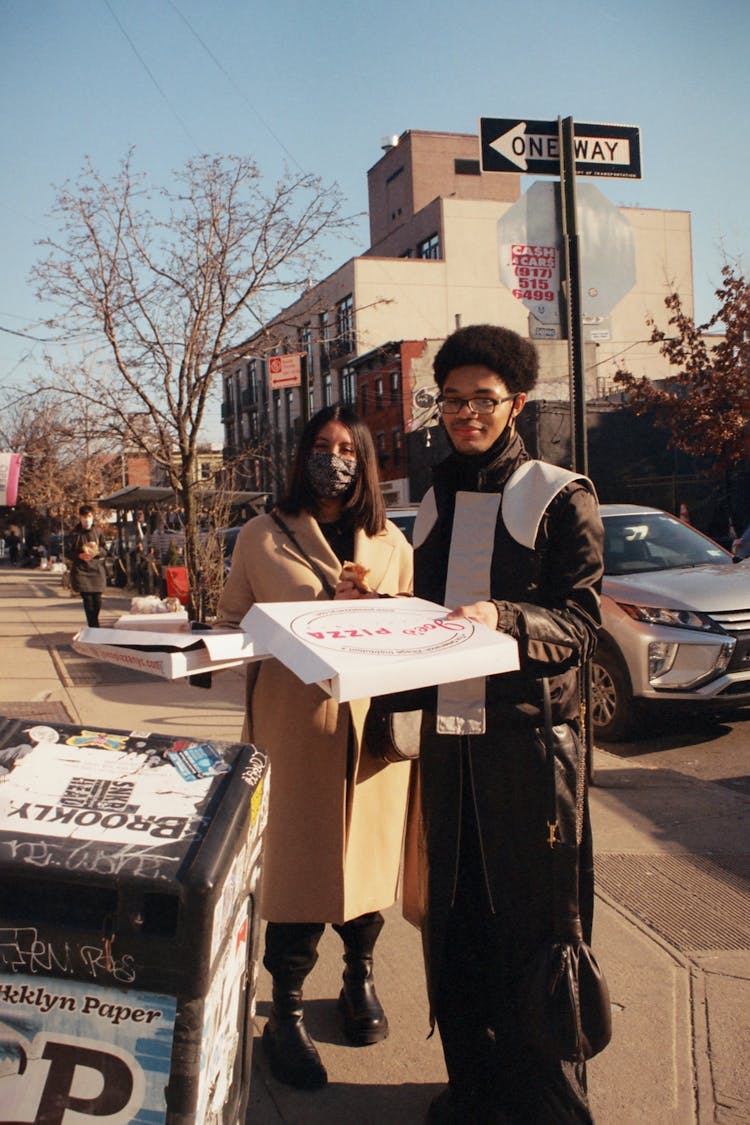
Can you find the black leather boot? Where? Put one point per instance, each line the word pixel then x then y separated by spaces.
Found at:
pixel 292 1055
pixel 365 1021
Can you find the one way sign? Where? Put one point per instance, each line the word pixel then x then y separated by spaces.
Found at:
pixel 513 145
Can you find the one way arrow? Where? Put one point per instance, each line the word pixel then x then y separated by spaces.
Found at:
pixel 518 148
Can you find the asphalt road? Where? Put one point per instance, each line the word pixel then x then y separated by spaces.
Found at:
pixel 699 744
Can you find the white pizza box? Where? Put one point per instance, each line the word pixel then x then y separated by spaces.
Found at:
pixel 168 655
pixel 373 646
pixel 160 622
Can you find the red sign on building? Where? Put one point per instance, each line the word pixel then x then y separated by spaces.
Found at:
pixel 285 370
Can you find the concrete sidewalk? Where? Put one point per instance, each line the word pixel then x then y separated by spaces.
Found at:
pixel 672 928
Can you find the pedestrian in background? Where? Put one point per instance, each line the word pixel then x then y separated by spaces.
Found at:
pixel 13 543
pixel 85 552
pixel 483 768
pixel 332 847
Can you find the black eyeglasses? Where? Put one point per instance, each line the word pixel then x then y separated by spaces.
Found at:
pixel 451 405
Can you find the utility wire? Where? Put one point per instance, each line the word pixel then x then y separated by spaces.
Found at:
pixel 26 336
pixel 174 112
pixel 235 85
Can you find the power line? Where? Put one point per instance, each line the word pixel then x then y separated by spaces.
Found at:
pixel 235 85
pixel 26 336
pixel 153 78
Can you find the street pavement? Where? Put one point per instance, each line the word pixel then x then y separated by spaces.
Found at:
pixel 672 925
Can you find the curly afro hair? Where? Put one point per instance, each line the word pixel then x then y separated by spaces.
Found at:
pixel 506 353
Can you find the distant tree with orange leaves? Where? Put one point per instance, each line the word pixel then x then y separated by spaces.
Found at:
pixel 704 405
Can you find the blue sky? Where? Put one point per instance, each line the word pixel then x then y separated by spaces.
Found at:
pixel 317 85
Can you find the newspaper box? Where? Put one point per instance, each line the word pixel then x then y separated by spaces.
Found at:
pixel 129 871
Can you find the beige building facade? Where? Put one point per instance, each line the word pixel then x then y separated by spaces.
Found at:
pixel 434 264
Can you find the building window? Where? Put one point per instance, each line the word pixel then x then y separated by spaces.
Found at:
pixel 379 393
pixel 327 389
pixel 252 382
pixel 348 386
pixel 363 400
pixel 429 247
pixel 324 341
pixel 395 387
pixel 345 325
pixel 382 451
pixel 467 167
pixel 397 444
pixel 238 392
pixel 306 346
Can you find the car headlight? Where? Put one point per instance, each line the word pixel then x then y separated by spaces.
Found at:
pixel 661 656
pixel 679 667
pixel 674 618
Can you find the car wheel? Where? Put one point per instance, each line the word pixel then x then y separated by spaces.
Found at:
pixel 612 709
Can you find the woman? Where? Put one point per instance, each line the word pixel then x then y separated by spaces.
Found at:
pixel 333 841
pixel 85 553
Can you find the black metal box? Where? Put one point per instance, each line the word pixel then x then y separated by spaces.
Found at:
pixel 129 877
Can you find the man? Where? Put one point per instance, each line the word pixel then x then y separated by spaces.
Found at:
pixel 85 553
pixel 485 794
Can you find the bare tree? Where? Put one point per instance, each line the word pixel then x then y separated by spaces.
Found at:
pixel 65 461
pixel 170 280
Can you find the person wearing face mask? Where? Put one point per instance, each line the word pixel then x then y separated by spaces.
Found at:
pixel 516 545
pixel 333 842
pixel 85 554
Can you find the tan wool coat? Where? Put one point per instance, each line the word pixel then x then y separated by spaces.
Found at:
pixel 336 814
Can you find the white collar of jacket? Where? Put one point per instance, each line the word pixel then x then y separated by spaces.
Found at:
pixel 525 498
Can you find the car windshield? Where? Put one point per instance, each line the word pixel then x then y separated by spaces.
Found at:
pixel 648 541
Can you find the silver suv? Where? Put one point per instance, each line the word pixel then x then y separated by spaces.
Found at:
pixel 675 613
pixel 676 620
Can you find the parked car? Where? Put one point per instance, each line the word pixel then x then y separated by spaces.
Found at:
pixel 741 546
pixel 676 620
pixel 403 519
pixel 228 539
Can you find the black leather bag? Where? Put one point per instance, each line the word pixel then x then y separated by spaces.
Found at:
pixel 563 999
pixel 565 1009
pixel 392 735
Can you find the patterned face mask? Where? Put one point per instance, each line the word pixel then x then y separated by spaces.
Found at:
pixel 329 475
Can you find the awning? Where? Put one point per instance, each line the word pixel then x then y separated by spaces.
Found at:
pixel 136 496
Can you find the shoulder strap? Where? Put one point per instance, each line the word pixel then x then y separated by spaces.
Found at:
pixel 329 589
pixel 528 493
pixel 565 859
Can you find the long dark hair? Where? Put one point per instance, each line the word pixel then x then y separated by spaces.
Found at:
pixel 365 504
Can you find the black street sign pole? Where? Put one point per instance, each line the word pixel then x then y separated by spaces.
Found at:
pixel 579 445
pixel 578 442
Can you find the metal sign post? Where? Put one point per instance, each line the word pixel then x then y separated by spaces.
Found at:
pixel 572 290
pixel 563 148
